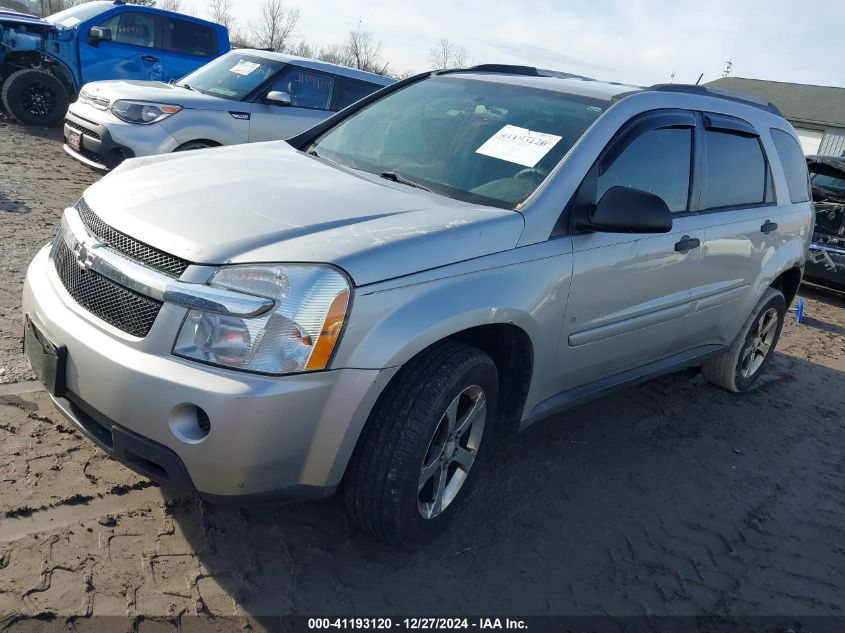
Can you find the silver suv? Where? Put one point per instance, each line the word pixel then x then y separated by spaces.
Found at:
pixel 361 305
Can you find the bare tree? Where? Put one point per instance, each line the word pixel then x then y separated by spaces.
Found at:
pixel 221 12
pixel 276 25
pixel 448 55
pixel 170 5
pixel 365 51
pixel 335 54
pixel 302 49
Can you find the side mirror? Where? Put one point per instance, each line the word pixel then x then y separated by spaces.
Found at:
pixel 627 210
pixel 98 34
pixel 277 98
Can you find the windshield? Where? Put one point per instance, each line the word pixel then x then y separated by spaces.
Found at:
pixel 829 182
pixel 477 141
pixel 69 18
pixel 232 76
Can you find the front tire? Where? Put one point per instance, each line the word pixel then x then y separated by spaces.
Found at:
pixel 417 456
pixel 34 97
pixel 738 367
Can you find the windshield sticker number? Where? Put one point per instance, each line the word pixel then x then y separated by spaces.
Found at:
pixel 519 145
pixel 244 68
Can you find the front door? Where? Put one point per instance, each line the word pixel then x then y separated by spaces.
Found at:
pixel 629 292
pixel 134 51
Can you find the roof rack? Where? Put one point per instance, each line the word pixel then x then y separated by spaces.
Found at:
pixel 737 97
pixel 509 69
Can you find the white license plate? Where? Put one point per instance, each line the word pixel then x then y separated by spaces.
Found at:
pixel 74 141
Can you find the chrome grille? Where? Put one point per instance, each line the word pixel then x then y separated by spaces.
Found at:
pixel 130 247
pixel 124 309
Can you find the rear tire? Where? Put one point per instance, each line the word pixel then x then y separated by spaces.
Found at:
pixel 738 367
pixel 34 97
pixel 417 456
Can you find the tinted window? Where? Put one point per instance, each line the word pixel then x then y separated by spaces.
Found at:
pixel 133 28
pixel 736 173
pixel 307 89
pixel 352 91
pixel 794 165
pixel 189 38
pixel 657 161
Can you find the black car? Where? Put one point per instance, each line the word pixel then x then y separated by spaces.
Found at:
pixel 826 264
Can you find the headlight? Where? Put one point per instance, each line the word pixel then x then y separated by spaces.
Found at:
pixel 299 334
pixel 143 112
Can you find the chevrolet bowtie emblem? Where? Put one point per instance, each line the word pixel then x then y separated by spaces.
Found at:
pixel 82 253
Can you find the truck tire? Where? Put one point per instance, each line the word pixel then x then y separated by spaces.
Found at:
pixel 414 461
pixel 34 97
pixel 738 367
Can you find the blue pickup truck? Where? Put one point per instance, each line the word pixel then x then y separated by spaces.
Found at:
pixel 44 62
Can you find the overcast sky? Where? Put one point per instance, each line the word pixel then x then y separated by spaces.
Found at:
pixel 633 41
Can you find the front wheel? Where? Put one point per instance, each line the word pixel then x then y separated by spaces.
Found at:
pixel 416 458
pixel 738 367
pixel 34 97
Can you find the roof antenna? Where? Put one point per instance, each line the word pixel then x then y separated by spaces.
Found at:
pixel 699 79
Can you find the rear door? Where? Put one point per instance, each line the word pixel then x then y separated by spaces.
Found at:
pixel 629 292
pixel 186 46
pixel 311 95
pixel 741 228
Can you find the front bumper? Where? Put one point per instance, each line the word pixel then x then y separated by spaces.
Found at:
pixel 107 141
pixel 270 438
pixel 826 265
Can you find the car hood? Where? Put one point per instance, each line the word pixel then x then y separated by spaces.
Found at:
pixel 160 92
pixel 267 202
pixel 827 166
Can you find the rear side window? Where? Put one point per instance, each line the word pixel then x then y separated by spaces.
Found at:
pixel 794 165
pixel 189 38
pixel 352 91
pixel 657 161
pixel 736 173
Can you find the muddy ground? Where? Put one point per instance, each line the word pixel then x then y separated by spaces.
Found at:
pixel 674 498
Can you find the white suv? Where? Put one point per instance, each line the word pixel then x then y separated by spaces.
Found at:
pixel 243 96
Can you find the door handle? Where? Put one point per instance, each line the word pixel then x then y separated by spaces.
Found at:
pixel 687 243
pixel 768 227
pixel 150 58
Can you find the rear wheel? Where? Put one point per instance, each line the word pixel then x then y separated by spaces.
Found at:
pixel 739 366
pixel 34 97
pixel 418 454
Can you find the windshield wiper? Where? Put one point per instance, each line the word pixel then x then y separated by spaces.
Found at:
pixel 392 175
pixel 188 87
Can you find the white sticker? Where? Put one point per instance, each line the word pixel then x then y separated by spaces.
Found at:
pixel 519 145
pixel 244 68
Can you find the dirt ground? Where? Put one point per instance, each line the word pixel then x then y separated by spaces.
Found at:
pixel 674 498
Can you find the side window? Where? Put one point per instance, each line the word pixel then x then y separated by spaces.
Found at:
pixel 352 91
pixel 189 38
pixel 133 28
pixel 657 161
pixel 736 171
pixel 794 165
pixel 307 89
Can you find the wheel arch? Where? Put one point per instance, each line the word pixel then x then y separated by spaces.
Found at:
pixel 788 283
pixel 36 60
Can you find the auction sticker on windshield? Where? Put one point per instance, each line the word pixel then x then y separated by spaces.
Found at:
pixel 519 145
pixel 244 68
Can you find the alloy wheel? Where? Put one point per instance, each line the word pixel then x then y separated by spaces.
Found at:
pixel 451 452
pixel 758 347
